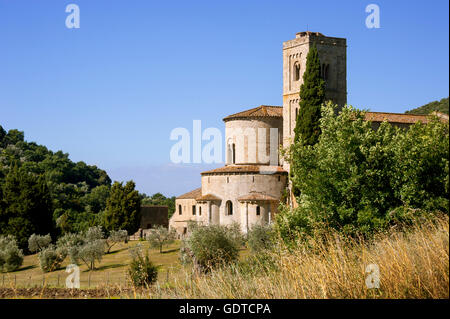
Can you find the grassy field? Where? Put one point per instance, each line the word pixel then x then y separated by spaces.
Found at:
pixel 413 263
pixel 110 271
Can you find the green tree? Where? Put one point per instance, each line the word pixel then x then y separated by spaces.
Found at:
pixel 115 237
pixel 87 247
pixel 210 246
pixel 36 243
pixel 11 257
pixel 358 180
pixel 312 96
pixel 160 236
pixel 27 206
pixel 123 208
pixel 2 137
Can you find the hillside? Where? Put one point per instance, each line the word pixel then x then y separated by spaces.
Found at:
pixel 71 196
pixel 439 106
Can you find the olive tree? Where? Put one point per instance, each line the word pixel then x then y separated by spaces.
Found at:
pixel 115 236
pixel 37 243
pixel 160 236
pixel 210 246
pixel 11 257
pixel 87 247
pixel 51 257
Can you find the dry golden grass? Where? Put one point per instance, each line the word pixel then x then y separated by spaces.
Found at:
pixel 412 264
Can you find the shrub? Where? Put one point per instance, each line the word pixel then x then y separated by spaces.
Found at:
pixel 51 257
pixel 115 236
pixel 11 257
pixel 142 271
pixel 160 236
pixel 211 246
pixel 37 242
pixel 261 238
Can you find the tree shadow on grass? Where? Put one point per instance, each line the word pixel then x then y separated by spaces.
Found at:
pixel 24 268
pixel 106 267
pixel 116 251
pixel 170 251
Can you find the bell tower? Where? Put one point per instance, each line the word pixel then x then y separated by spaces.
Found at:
pixel 333 67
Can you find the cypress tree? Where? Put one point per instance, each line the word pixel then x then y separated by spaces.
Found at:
pixel 123 208
pixel 312 96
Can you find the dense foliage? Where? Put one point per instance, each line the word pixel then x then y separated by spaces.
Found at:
pixel 357 179
pixel 438 106
pixel 312 96
pixel 60 192
pixel 44 192
pixel 123 208
pixel 26 205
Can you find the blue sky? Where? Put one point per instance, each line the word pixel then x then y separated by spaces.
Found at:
pixel 110 92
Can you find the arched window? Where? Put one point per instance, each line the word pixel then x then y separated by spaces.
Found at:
pixel 296 113
pixel 233 152
pixel 200 210
pixel 193 210
pixel 229 208
pixel 179 210
pixel 296 71
pixel 258 210
pixel 324 71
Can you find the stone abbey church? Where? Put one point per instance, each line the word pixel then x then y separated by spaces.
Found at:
pixel 248 189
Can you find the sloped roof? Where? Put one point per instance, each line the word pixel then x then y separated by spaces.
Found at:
pixel 207 197
pixel 192 194
pixel 396 117
pixel 256 196
pixel 260 111
pixel 256 169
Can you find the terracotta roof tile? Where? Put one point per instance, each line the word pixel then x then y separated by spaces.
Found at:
pixel 208 197
pixel 260 111
pixel 192 194
pixel 396 117
pixel 256 196
pixel 256 169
